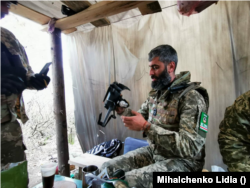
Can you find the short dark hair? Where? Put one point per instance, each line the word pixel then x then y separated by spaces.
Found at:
pixel 166 54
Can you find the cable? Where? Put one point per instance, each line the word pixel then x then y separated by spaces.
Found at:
pixel 169 6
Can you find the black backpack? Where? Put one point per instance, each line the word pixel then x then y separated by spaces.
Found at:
pixel 107 149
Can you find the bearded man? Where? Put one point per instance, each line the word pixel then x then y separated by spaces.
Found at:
pixel 170 118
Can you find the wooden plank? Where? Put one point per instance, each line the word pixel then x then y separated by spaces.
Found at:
pixel 79 6
pixel 101 22
pixel 59 103
pixel 97 11
pixel 68 31
pixel 34 16
pixel 150 8
pixel 29 14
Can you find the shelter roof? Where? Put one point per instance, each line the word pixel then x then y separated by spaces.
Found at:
pixel 88 14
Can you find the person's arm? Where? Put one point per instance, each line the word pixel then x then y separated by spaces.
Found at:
pixel 27 66
pixel 29 69
pixel 128 112
pixel 144 109
pixel 18 49
pixel 187 142
pixel 34 81
pixel 234 135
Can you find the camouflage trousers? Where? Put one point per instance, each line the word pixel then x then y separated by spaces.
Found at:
pixel 140 164
pixel 12 147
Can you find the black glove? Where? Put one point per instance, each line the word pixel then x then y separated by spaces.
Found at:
pixel 39 81
pixel 11 84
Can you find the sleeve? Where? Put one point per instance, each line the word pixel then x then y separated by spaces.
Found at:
pixel 29 69
pixel 27 66
pixel 187 142
pixel 17 48
pixel 144 110
pixel 234 136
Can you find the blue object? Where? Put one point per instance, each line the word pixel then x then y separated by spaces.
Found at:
pixel 154 112
pixel 63 178
pixel 131 144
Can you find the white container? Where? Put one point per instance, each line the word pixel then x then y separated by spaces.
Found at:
pixel 48 169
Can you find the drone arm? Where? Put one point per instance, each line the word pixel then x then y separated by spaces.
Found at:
pixel 106 94
pixel 123 87
pixel 106 120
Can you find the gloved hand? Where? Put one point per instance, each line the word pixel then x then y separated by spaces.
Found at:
pixel 11 84
pixel 39 81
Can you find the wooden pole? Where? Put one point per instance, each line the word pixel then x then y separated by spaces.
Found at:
pixel 59 103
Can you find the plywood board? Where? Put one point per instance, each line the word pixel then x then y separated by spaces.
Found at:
pixel 51 9
pixel 29 14
pixel 97 11
pixel 79 6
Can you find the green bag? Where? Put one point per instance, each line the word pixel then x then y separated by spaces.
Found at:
pixel 16 176
pixel 109 185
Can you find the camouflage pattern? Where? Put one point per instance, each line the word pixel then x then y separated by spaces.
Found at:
pixel 175 142
pixel 12 147
pixel 13 106
pixel 234 135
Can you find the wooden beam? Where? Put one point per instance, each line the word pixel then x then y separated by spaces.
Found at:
pixel 79 6
pixel 98 11
pixel 59 103
pixel 150 8
pixel 34 16
pixel 101 22
pixel 29 14
pixel 68 31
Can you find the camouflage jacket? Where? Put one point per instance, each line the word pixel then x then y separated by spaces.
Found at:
pixel 174 131
pixel 13 105
pixel 234 135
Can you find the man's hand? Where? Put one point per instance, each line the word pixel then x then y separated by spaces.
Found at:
pixel 39 81
pixel 134 123
pixel 11 84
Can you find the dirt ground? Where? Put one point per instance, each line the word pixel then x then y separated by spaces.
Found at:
pixel 42 154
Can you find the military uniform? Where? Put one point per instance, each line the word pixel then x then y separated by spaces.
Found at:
pixel 176 144
pixel 234 135
pixel 12 107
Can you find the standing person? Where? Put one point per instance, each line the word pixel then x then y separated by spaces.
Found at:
pixel 170 118
pixel 16 75
pixel 234 135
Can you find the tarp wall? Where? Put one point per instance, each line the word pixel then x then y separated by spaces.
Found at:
pixel 213 45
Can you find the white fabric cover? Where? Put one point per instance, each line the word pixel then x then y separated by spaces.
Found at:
pixel 213 45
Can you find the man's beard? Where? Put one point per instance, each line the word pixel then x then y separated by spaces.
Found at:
pixel 162 81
